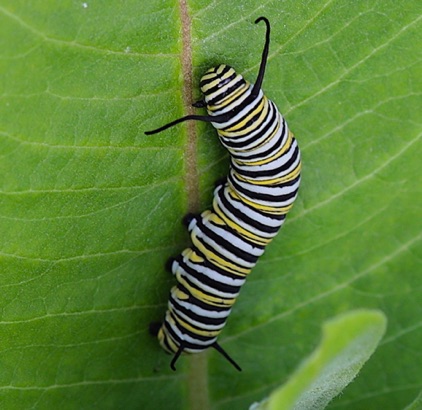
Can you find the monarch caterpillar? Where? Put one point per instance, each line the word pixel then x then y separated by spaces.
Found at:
pixel 248 208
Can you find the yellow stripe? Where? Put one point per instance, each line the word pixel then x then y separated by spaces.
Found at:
pixel 286 146
pixel 291 135
pixel 220 218
pixel 215 77
pixel 265 208
pixel 222 67
pixel 209 74
pixel 229 99
pixel 178 294
pixel 228 74
pixel 266 139
pixel 196 331
pixel 262 109
pixel 221 263
pixel 274 181
pixel 258 240
pixel 163 334
pixel 194 257
pixel 212 84
pixel 208 299
pixel 211 216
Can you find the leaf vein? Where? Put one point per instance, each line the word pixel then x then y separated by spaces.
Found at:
pixel 74 43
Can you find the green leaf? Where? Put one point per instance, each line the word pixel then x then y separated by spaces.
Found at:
pixel 416 404
pixel 90 207
pixel 347 343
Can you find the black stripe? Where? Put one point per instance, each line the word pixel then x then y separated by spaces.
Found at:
pixel 250 103
pixel 266 197
pixel 218 98
pixel 187 344
pixel 167 336
pixel 202 255
pixel 239 104
pixel 209 265
pixel 206 292
pixel 198 318
pixel 193 300
pixel 225 244
pixel 268 129
pixel 273 172
pixel 221 83
pixel 249 221
pixel 206 308
pixel 206 280
pixel 214 71
pixel 267 126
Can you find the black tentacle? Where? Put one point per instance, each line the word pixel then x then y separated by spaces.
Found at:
pixel 260 78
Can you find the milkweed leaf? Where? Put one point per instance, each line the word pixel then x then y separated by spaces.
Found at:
pixel 90 207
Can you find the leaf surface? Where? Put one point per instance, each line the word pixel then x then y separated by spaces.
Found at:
pixel 347 342
pixel 90 207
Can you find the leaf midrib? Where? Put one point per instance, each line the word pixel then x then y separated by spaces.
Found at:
pixel 197 380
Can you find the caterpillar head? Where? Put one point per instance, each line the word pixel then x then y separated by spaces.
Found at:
pixel 221 84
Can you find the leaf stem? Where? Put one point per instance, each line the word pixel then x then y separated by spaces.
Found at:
pixel 197 379
pixel 191 174
pixel 198 394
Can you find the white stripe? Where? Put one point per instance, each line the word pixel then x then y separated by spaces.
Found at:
pixel 199 325
pixel 199 311
pixel 213 291
pixel 184 337
pixel 220 251
pixel 250 213
pixel 250 140
pixel 214 275
pixel 240 114
pixel 222 90
pixel 266 189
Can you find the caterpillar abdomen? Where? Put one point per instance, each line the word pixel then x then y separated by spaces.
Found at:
pixel 248 209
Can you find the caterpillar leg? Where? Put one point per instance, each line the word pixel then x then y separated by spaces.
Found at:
pixel 220 350
pixel 173 263
pixel 169 265
pixel 188 218
pixel 199 104
pixel 176 356
pixel 154 328
pixel 220 182
pixel 191 220
pixel 216 346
